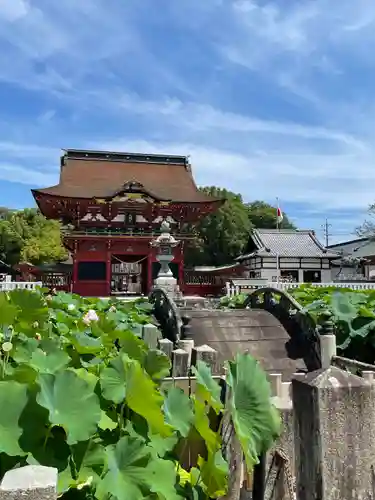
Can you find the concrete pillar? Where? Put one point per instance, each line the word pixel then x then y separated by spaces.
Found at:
pixel 180 363
pixel 208 355
pixel 334 429
pixel 186 345
pixel 151 335
pixel 166 346
pixel 327 349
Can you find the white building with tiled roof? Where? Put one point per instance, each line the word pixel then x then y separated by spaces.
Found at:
pixel 361 250
pixel 287 254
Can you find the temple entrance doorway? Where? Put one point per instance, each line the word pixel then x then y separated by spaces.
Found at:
pixel 128 275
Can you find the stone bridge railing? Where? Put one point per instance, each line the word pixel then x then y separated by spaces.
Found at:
pixel 296 321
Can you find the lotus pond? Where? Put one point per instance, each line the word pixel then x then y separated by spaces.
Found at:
pixel 82 392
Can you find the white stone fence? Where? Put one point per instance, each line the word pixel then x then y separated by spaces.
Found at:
pixel 7 286
pixel 232 290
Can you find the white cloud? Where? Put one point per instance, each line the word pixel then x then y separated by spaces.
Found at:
pixel 305 47
pixel 12 10
pixel 130 89
pixel 200 117
pixel 13 172
pixel 297 179
pixel 19 150
pixel 290 29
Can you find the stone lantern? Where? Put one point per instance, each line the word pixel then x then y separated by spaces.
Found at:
pixel 165 243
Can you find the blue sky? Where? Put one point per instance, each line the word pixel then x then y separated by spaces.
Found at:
pixel 269 98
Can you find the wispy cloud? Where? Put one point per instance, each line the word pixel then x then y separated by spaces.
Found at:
pixel 289 30
pixel 12 10
pixel 269 98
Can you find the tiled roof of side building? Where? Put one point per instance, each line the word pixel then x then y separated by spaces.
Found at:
pixel 102 175
pixel 288 243
pixel 361 248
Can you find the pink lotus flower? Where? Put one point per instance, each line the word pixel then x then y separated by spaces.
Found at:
pixel 90 316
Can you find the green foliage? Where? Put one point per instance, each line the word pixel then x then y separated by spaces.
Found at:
pixel 80 391
pixel 223 235
pixel 352 313
pixel 26 235
pixel 256 424
pixel 234 302
pixel 263 216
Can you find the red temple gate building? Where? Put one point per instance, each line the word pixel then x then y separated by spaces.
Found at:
pixel 113 205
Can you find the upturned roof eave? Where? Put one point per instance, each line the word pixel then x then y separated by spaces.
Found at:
pixel 44 192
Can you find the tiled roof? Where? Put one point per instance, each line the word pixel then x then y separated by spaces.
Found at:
pixel 102 175
pixel 287 243
pixel 361 248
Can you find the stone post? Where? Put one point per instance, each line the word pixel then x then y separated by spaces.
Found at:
pixel 275 380
pixel 188 346
pixel 151 335
pixel 166 346
pixel 33 482
pixel 327 349
pixel 334 429
pixel 206 354
pixel 180 363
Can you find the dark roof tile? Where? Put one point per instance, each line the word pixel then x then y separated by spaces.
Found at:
pixel 287 243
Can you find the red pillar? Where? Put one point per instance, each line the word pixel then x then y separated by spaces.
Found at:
pixel 75 267
pixel 150 258
pixel 75 272
pixel 181 277
pixel 109 271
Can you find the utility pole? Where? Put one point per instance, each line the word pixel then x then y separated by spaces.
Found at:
pixel 326 232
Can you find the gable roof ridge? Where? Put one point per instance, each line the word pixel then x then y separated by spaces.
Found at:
pixel 257 239
pixel 283 231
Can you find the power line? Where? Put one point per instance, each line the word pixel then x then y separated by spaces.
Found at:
pixel 326 232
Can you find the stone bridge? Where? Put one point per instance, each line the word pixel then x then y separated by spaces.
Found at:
pixel 271 325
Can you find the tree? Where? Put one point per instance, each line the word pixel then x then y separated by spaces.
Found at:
pixel 26 235
pixel 367 229
pixel 221 236
pixel 10 243
pixel 263 216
